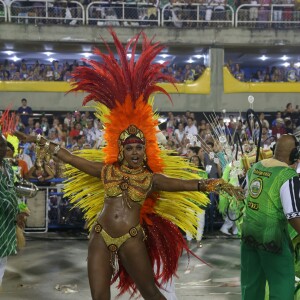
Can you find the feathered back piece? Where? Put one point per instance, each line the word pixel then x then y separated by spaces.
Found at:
pixel 110 81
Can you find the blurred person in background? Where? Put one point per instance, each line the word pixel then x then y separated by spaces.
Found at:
pixel 90 132
pixel 29 129
pixel 180 136
pixel 45 125
pixel 190 128
pixel 279 129
pixel 68 120
pixel 25 112
pixel 20 166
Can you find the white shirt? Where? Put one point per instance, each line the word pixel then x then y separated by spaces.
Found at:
pixel 179 134
pixel 290 198
pixel 191 130
pixel 27 159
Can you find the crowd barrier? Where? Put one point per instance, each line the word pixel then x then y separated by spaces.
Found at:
pixel 49 209
pixel 181 15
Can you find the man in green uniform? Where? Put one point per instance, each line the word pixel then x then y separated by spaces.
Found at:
pixel 9 211
pixel 272 201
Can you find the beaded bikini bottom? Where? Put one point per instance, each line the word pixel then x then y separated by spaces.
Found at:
pixel 113 244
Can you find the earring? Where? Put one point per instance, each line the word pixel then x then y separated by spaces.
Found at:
pixel 120 157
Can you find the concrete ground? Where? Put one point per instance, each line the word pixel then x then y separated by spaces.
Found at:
pixel 53 267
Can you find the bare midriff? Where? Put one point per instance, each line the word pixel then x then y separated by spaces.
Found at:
pixel 117 218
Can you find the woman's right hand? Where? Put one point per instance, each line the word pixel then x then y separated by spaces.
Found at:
pixel 25 137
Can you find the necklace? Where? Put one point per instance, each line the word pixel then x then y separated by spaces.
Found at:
pixel 128 170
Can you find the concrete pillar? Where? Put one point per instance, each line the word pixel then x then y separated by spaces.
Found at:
pixel 216 64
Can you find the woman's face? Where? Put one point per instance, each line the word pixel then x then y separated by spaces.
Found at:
pixel 190 153
pixel 134 154
pixel 195 160
pixel 201 154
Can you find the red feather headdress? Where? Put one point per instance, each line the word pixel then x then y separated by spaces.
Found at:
pixel 124 87
pixel 110 81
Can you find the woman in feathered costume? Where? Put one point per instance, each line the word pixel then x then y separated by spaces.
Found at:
pixel 132 216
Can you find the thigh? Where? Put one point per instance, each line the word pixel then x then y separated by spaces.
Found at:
pixel 280 273
pixel 253 280
pixel 135 259
pixel 99 267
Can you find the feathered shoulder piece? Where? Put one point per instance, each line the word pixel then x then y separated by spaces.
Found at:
pixel 110 80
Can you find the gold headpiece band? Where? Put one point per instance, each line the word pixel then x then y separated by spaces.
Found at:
pixel 130 135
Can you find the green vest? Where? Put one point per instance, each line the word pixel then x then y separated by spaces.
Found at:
pixel 8 211
pixel 265 225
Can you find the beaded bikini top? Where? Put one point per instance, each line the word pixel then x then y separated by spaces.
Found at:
pixel 131 184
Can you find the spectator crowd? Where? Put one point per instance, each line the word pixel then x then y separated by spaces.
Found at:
pixel 57 71
pixel 81 130
pixel 290 73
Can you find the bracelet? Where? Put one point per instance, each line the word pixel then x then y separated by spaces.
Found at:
pixel 56 150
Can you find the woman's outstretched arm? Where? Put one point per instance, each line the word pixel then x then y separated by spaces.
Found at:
pixel 169 184
pixel 90 167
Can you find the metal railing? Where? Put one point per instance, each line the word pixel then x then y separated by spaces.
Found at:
pixel 46 12
pixel 122 14
pixel 197 15
pixel 265 16
pixel 3 12
pixel 180 15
